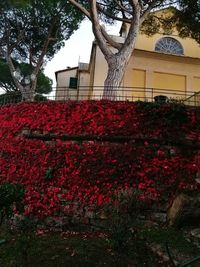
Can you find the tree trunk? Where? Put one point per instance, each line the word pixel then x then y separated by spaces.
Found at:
pixel 116 69
pixel 27 93
pixel 117 63
pixel 27 90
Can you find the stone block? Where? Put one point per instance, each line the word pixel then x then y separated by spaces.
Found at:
pixel 185 210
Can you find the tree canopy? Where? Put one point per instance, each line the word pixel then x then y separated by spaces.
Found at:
pixel 33 33
pixel 184 16
pixel 44 84
pixel 117 55
pixel 188 23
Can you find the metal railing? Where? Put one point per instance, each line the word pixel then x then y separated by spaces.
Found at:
pixel 194 99
pixel 118 94
pixel 129 94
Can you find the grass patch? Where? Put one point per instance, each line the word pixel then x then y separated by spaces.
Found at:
pixel 92 249
pixel 180 248
pixel 82 249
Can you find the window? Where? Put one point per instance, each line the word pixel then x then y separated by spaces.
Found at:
pixel 73 82
pixel 169 45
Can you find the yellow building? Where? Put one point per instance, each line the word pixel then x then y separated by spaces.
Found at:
pixel 160 65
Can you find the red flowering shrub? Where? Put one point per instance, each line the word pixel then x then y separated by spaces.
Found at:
pixel 56 174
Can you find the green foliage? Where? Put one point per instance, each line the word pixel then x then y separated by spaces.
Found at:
pixel 190 262
pixel 122 214
pixel 44 84
pixel 16 97
pixel 188 19
pixel 119 232
pixel 10 97
pixel 49 174
pixel 10 194
pixel 14 3
pixel 39 97
pixel 175 239
pixel 30 34
pixel 25 228
pixel 163 24
pixel 72 248
pixel 177 114
pixel 2 241
pixel 6 81
pixel 38 21
pixel 173 113
pixel 185 18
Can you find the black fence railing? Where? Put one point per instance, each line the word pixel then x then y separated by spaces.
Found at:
pixel 193 100
pixel 118 94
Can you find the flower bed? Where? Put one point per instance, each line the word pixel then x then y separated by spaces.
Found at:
pixel 57 173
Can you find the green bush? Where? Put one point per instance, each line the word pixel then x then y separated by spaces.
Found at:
pixel 10 195
pixel 122 215
pixel 11 97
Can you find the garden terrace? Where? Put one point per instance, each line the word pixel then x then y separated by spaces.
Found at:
pixel 100 164
pixel 83 152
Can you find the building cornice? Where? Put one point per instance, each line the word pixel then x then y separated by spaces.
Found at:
pixel 163 56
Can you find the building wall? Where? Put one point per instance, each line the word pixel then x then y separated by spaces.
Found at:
pixel 147 73
pixel 196 84
pixel 162 71
pixel 84 88
pixel 100 71
pixel 63 91
pixel 63 77
pixel 151 69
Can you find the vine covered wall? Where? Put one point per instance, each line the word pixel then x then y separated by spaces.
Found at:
pixel 84 152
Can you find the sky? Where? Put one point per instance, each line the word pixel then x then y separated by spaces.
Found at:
pixel 76 49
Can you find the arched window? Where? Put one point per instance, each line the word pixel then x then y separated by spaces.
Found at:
pixel 169 45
